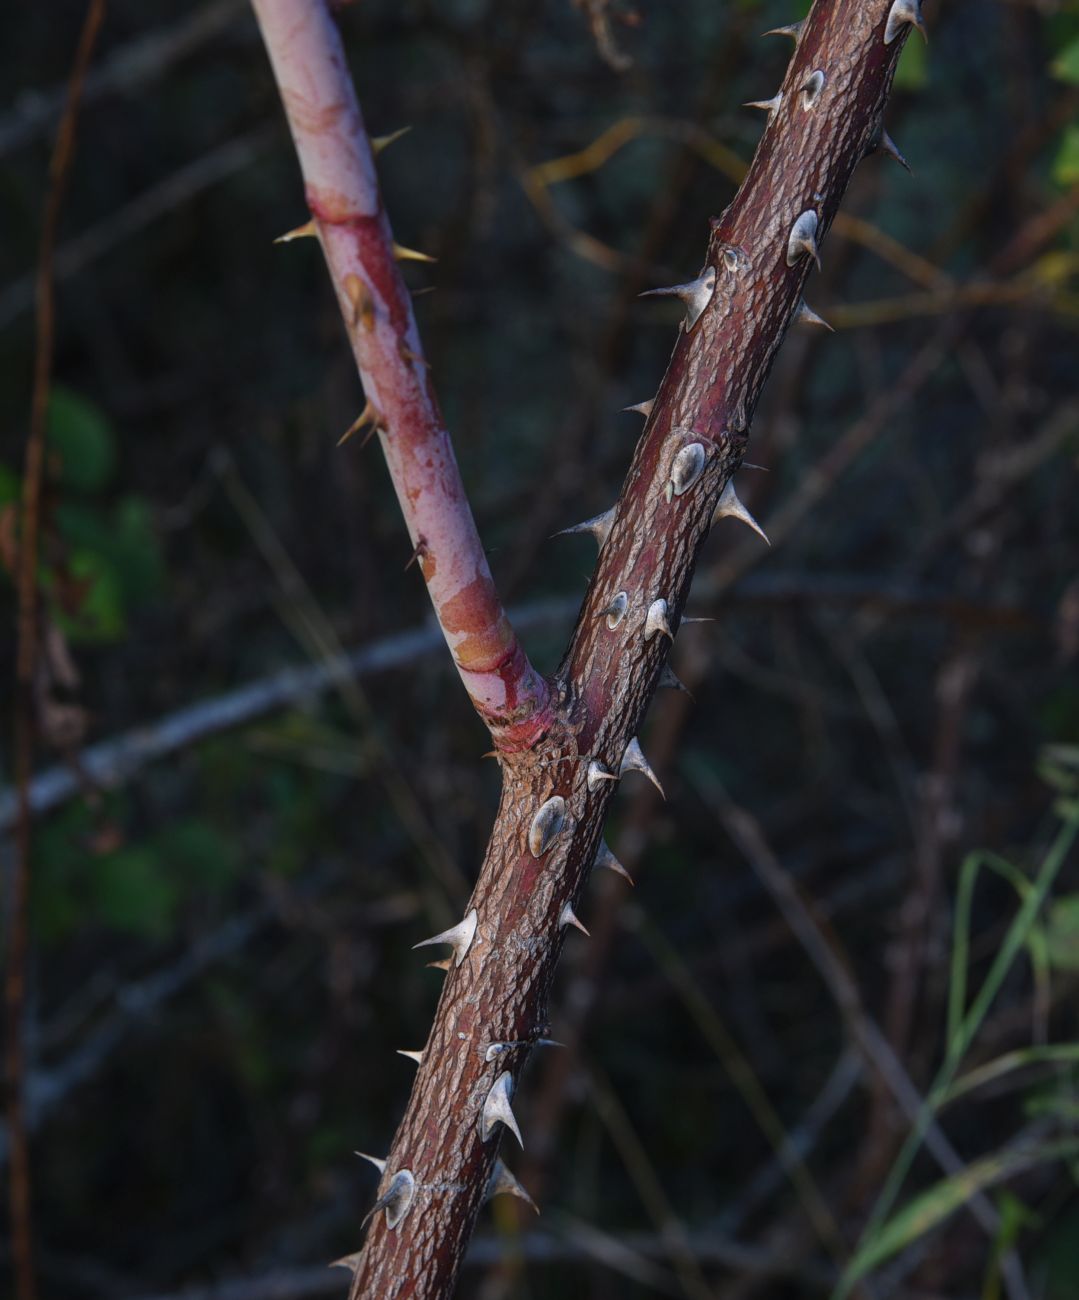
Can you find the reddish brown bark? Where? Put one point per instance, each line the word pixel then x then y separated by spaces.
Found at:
pixel 819 132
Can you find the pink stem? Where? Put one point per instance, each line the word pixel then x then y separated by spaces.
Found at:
pixel 351 223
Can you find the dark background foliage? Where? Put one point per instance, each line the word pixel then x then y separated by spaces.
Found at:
pixel 220 944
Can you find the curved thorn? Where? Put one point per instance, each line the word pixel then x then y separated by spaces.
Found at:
pixel 605 858
pixel 886 145
pixel 805 315
pixel 380 1165
pixel 901 13
pixel 696 294
pixel 597 773
pixel 502 1182
pixel 546 825
pixel 397 1199
pixel 459 937
pixel 497 1109
pixel 803 238
pixel 730 507
pixel 599 526
pixel 769 106
pixel 633 760
pixel 793 30
pixel 656 623
pixel 570 917
pixel 351 1262
pixel 642 408
pixel 369 415
pixel 417 1057
pixel 669 679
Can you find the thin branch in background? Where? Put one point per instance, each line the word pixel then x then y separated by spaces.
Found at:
pixel 26 669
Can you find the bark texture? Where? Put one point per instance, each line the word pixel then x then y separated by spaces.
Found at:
pixel 493 1007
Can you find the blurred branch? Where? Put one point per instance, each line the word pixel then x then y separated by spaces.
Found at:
pixel 26 666
pixel 126 70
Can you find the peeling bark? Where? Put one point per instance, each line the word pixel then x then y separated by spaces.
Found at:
pixel 825 118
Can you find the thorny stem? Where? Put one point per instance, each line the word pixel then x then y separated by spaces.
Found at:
pixel 349 219
pixel 547 832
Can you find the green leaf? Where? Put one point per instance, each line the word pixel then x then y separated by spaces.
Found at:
pixel 1065 67
pixel 1066 163
pixel 81 440
pixel 134 891
pixel 939 1202
pixel 1062 932
pixel 100 616
pixel 912 71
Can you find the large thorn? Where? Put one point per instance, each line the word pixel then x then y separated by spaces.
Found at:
pixel 656 623
pixel 417 1057
pixel 805 315
pixel 397 1199
pixel 570 917
pixel 351 1262
pixel 803 238
pixel 502 1182
pixel 670 679
pixel 547 825
pixel 633 760
pixel 380 142
pixel 769 106
pixel 380 1165
pixel 307 231
pixel 403 254
pixel 696 294
pixel 886 145
pixel 901 13
pixel 642 408
pixel 793 30
pixel 459 937
pixel 597 774
pixel 497 1110
pixel 605 858
pixel 730 507
pixel 599 526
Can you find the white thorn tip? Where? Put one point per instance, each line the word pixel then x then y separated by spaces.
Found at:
pixel 459 937
pixel 497 1109
pixel 417 1057
pixel 570 917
